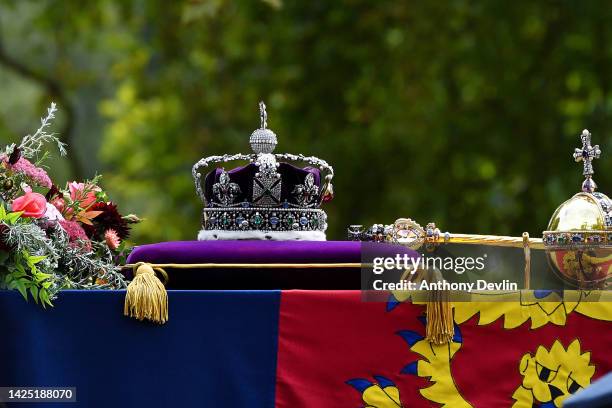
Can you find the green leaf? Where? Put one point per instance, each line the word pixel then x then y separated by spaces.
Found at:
pixel 33 260
pixel 34 292
pixel 44 298
pixel 4 256
pixel 42 276
pixel 13 217
pixel 19 268
pixel 21 288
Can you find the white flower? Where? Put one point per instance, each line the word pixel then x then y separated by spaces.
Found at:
pixel 53 214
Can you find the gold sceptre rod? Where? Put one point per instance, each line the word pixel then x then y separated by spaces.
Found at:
pixel 440 324
pixel 494 240
pixel 407 232
pixel 502 241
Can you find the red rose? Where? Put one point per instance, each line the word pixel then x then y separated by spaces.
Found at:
pixel 33 205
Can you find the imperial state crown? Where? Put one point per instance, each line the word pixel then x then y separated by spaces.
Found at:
pixel 268 198
pixel 579 234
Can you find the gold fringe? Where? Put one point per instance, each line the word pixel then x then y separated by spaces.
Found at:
pixel 146 296
pixel 440 326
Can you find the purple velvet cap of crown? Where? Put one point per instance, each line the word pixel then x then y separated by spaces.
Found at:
pixel 244 175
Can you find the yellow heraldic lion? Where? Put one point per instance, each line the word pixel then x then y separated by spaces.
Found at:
pixel 550 377
pixel 436 366
pixel 380 394
pixel 538 307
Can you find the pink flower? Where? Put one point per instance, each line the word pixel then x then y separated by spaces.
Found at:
pixel 33 205
pixel 53 213
pixel 112 239
pixel 76 234
pixel 84 194
pixel 36 174
pixel 59 203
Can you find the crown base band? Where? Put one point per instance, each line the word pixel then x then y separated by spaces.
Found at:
pixel 263 219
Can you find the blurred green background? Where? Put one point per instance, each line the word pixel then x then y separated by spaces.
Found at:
pixel 460 112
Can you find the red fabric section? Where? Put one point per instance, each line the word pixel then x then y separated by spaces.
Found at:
pixel 327 338
pixel 486 369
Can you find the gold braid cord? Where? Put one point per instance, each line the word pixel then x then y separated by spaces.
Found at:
pixel 251 265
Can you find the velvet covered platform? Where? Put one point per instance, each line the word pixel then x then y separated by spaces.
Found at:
pixel 334 254
pixel 293 349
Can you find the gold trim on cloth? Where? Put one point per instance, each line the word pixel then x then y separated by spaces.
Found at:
pixel 252 265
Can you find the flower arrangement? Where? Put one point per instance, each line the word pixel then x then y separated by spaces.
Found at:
pixel 53 238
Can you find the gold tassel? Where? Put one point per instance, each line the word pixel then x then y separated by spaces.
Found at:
pixel 440 326
pixel 146 296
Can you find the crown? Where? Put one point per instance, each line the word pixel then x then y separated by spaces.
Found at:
pixel 269 198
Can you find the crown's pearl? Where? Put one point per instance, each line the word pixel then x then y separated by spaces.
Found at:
pixel 263 141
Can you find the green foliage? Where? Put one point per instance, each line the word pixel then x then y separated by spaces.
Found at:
pixel 23 275
pixel 462 113
pixel 9 218
pixel 18 269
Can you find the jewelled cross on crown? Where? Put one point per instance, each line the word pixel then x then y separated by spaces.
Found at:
pixel 263 115
pixel 586 155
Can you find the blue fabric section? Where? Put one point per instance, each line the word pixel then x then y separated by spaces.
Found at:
pixel 360 384
pixel 410 336
pixel 218 349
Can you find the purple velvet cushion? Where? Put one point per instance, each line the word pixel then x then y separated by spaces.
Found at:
pixel 223 252
pixel 244 251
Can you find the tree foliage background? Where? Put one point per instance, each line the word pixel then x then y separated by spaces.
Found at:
pixel 461 112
